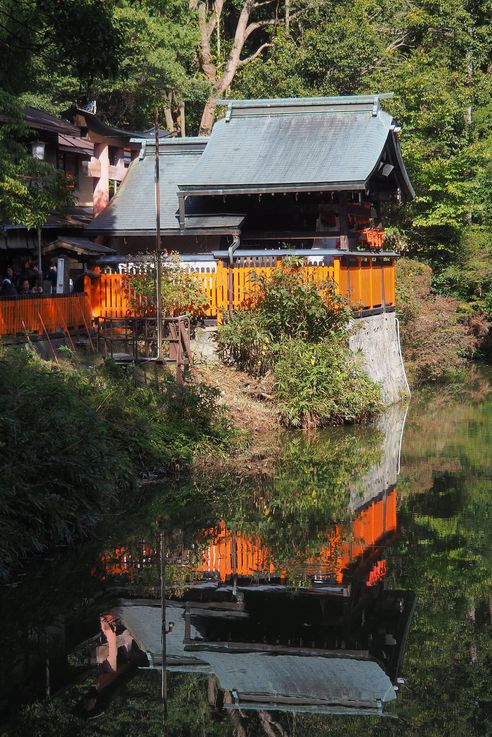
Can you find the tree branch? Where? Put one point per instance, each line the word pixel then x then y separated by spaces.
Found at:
pixel 258 51
pixel 259 24
pixel 397 43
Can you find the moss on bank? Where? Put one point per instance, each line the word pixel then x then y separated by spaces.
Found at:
pixel 75 441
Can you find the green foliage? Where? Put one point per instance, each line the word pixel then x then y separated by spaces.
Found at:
pixel 469 277
pixel 180 292
pixel 436 339
pixel 297 330
pixel 287 306
pixel 75 441
pixel 159 62
pixel 322 383
pixel 293 511
pixel 290 306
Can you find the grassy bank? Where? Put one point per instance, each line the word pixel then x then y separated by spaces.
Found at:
pixel 76 441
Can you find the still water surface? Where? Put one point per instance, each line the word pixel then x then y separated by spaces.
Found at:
pixel 346 591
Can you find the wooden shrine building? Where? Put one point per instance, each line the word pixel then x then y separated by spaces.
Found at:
pixel 310 171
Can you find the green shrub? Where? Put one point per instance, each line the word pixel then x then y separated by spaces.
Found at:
pixel 287 306
pixel 298 330
pixel 74 442
pixel 244 342
pixel 181 293
pixel 321 383
pixel 436 338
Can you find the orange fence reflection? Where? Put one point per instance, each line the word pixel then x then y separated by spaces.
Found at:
pixel 233 553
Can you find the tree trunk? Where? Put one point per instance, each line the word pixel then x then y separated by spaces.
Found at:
pixel 221 83
pixel 208 116
pixel 169 118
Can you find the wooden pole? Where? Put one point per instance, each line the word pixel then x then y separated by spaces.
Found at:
pixel 158 239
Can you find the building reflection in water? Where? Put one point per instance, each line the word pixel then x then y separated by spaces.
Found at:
pixel 334 645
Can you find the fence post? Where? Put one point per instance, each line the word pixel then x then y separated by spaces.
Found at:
pixel 371 277
pixel 219 290
pixel 336 273
pixel 359 278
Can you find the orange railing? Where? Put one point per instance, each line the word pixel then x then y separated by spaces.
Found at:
pixel 367 281
pixel 43 314
pixel 233 552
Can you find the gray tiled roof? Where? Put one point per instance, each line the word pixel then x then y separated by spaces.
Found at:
pixel 132 209
pixel 280 144
pixel 344 681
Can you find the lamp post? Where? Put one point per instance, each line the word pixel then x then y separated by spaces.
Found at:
pixel 38 150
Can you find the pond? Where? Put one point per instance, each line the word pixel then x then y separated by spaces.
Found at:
pixel 344 590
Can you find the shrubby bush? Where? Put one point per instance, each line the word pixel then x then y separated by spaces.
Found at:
pixel 181 293
pixel 73 443
pixel 298 331
pixel 322 383
pixel 436 337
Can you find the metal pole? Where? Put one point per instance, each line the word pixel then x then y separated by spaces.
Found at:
pixel 158 239
pixel 236 242
pixel 163 630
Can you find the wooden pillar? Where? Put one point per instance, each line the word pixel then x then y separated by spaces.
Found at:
pixel 371 291
pixel 359 276
pixel 383 292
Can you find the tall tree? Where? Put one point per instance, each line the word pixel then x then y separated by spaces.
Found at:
pixel 253 16
pixel 43 42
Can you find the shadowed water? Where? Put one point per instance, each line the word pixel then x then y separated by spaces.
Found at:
pixel 347 592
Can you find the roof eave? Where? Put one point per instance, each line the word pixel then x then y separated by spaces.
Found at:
pixel 164 232
pixel 220 190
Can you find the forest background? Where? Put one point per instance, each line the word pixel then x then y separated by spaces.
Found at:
pixel 133 55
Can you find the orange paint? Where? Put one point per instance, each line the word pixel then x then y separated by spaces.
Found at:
pixel 18 315
pixel 253 557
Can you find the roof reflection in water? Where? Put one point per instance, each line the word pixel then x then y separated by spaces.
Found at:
pixel 333 645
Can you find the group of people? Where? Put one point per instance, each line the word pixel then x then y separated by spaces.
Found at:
pixel 24 279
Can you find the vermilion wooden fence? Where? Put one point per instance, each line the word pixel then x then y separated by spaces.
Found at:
pixel 367 282
pixel 44 314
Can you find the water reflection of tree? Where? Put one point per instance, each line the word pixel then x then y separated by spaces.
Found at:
pixel 294 509
pixel 446 557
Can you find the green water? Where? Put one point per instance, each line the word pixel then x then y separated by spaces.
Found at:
pixel 437 457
